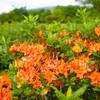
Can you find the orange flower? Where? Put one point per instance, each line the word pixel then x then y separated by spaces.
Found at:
pixel 77 49
pixel 5 87
pixel 79 70
pixel 27 49
pixel 22 48
pixel 81 42
pixel 27 75
pixel 13 48
pixel 97 31
pixel 83 59
pixel 63 34
pixel 61 68
pixel 93 47
pixel 69 41
pixel 50 64
pixel 37 84
pixel 95 77
pixel 49 76
pixel 76 34
pixel 79 66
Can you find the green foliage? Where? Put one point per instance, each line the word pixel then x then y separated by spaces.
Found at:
pixel 29 25
pixel 70 95
pixel 5 56
pixel 82 14
pixel 14 15
pixel 59 13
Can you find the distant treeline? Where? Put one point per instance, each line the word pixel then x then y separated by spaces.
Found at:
pixel 47 15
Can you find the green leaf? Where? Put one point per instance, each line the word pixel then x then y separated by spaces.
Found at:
pixel 80 91
pixel 91 63
pixel 69 92
pixel 72 97
pixel 3 39
pixel 50 38
pixel 44 91
pixel 97 90
pixel 59 94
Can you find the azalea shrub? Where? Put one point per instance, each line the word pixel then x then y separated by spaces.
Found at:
pixel 59 66
pixel 60 63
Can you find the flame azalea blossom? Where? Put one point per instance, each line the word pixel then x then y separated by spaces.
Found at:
pixel 77 49
pixel 97 31
pixel 27 49
pixel 95 77
pixel 49 76
pixel 63 34
pixel 37 84
pixel 79 70
pixel 5 88
pixel 30 64
pixel 79 66
pixel 23 48
pixel 93 47
pixel 62 68
pixel 58 67
pixel 50 64
pixel 81 42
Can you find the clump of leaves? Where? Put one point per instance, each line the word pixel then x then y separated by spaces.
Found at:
pixel 70 95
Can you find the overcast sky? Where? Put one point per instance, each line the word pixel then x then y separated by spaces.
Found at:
pixel 8 5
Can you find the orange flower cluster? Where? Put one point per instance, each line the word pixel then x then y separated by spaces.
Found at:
pixel 79 66
pixel 55 68
pixel 36 65
pixel 93 47
pixel 77 49
pixel 97 31
pixel 34 62
pixel 5 88
pixel 63 34
pixel 95 77
pixel 30 64
pixel 79 44
pixel 27 49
